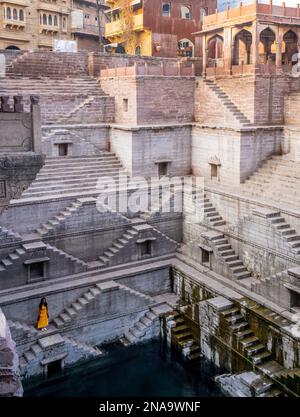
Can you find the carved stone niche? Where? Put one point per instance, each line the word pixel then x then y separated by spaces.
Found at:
pixel 215 165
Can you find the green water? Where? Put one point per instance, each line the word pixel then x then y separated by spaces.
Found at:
pixel 148 369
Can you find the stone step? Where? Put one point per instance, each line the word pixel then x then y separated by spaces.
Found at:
pixel 250 341
pixel 261 357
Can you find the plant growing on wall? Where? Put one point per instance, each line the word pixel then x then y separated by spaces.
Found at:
pixel 127 24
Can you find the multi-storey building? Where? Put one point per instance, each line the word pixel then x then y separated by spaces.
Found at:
pixel 85 26
pixel 31 25
pixel 157 27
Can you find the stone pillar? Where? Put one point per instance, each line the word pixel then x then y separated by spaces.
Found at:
pixel 36 125
pixel 2 65
pixel 204 60
pixel 255 47
pixel 228 50
pixel 10 381
pixel 278 57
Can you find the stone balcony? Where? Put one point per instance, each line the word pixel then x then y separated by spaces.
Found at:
pixel 115 28
pixel 13 23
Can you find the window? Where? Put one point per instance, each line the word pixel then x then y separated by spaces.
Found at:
pixel 36 271
pixel 185 13
pixel 64 23
pixel 50 20
pixel 44 19
pixel 55 21
pixel 203 12
pixel 138 50
pixel 21 15
pixel 8 13
pixel 15 14
pixel 162 169
pixel 146 248
pixel 214 170
pixel 166 9
pixel 125 104
pixel 63 149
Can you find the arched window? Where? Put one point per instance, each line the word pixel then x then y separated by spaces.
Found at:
pixel 166 9
pixel 8 13
pixel 64 23
pixel 185 13
pixel 138 50
pixel 55 21
pixel 15 14
pixel 50 20
pixel 44 19
pixel 21 15
pixel 185 48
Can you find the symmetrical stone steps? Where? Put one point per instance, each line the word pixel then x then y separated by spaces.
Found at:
pixel 247 342
pixel 112 254
pixel 200 207
pixel 68 175
pixel 7 263
pixel 228 103
pixel 84 350
pixel 278 179
pixel 8 235
pixel 68 211
pixel 291 378
pixel 71 258
pixel 184 338
pixel 52 64
pixel 21 330
pixel 145 327
pixel 89 296
pixel 229 257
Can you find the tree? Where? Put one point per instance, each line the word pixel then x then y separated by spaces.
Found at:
pixel 127 24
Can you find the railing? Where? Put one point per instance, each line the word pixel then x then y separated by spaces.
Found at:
pixel 116 27
pixel 251 9
pixel 163 69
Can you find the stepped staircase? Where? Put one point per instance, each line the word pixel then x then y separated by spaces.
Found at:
pixel 76 176
pixel 20 330
pixel 36 351
pixel 8 235
pixel 246 341
pixel 225 252
pixel 110 255
pixel 8 262
pixel 48 64
pixel 147 326
pixel 74 208
pixel 183 337
pixel 200 207
pixel 277 180
pixel 228 103
pixel 67 94
pixel 89 296
pixel 285 231
pixel 249 344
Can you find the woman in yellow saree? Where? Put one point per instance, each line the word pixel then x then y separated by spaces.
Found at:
pixel 43 319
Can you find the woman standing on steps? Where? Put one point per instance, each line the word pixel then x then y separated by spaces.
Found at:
pixel 43 319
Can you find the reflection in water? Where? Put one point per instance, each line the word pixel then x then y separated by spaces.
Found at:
pixel 148 369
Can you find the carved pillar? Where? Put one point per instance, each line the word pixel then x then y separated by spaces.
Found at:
pixel 228 42
pixel 36 124
pixel 5 107
pixel 18 104
pixel 255 48
pixel 278 57
pixel 205 52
